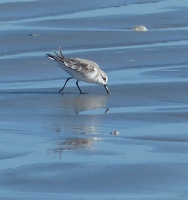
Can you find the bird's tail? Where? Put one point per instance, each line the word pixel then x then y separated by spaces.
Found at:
pixel 57 57
pixel 50 56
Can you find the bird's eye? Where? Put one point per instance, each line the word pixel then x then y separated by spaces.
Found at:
pixel 104 78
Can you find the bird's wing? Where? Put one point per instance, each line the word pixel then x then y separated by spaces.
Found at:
pixel 81 65
pixel 84 67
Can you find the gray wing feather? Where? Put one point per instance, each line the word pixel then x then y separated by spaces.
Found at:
pixel 80 65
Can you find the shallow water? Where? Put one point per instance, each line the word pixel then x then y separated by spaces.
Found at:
pixel 60 145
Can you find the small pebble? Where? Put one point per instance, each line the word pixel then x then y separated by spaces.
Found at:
pixel 140 28
pixel 34 35
pixel 114 133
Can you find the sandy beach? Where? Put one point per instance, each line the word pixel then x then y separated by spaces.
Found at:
pixel 60 146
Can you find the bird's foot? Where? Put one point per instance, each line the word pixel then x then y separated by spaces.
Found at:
pixel 84 93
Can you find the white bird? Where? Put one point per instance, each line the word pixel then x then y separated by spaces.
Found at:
pixel 81 69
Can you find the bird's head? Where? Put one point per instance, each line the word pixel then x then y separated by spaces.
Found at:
pixel 103 79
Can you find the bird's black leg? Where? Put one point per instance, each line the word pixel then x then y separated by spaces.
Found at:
pixel 79 88
pixel 65 84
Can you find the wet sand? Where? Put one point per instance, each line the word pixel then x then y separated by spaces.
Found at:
pixel 56 146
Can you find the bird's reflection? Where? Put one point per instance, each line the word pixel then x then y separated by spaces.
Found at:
pixel 68 124
pixel 81 103
pixel 72 144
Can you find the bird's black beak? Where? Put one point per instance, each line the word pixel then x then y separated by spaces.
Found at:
pixel 106 88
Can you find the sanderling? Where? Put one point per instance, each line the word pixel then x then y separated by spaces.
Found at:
pixel 81 69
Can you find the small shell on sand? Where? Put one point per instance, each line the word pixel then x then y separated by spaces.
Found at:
pixel 140 28
pixel 114 133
